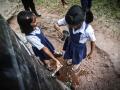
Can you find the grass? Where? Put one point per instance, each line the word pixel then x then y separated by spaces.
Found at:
pixel 56 5
pixel 100 7
pixel 106 8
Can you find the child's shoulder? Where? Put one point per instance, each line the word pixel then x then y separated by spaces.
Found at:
pixel 89 29
pixel 36 30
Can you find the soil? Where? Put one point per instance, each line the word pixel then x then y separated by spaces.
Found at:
pixel 102 72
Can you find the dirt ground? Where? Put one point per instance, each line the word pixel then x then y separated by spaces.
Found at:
pixel 98 73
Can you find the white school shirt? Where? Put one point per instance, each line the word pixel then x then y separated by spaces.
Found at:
pixel 87 34
pixel 34 40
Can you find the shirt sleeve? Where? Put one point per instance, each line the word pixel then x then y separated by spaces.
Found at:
pixel 35 41
pixel 62 22
pixel 91 34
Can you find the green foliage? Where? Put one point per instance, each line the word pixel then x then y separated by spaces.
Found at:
pixel 40 1
pixel 56 5
pixel 108 8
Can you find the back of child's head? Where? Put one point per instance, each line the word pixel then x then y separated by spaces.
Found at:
pixel 75 15
pixel 89 17
pixel 24 19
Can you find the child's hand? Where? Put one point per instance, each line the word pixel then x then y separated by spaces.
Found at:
pixel 59 30
pixel 58 66
pixel 57 27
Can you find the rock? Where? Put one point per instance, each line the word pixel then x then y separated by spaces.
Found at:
pixel 18 69
pixel 8 8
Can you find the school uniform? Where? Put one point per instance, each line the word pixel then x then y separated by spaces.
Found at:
pixel 38 41
pixel 75 48
pixel 86 6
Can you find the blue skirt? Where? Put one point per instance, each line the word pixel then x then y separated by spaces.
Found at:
pixel 40 53
pixel 74 51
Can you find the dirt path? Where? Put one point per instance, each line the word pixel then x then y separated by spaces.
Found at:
pixel 95 74
pixel 108 41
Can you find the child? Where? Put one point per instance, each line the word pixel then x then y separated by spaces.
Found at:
pixel 40 44
pixel 86 4
pixel 80 33
pixel 29 4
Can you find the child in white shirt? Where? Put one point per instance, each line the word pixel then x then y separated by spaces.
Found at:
pixel 80 33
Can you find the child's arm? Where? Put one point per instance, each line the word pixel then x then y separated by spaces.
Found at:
pixel 35 41
pixel 58 64
pixel 60 22
pixel 47 51
pixel 57 27
pixel 92 49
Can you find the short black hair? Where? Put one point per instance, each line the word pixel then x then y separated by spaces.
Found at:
pixel 89 17
pixel 75 15
pixel 24 19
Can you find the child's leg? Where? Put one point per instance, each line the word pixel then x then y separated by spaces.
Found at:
pixel 75 67
pixel 76 64
pixel 32 6
pixel 26 5
pixel 48 65
pixel 86 4
pixel 66 43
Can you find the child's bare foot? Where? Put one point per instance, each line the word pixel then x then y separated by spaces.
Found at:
pixel 75 67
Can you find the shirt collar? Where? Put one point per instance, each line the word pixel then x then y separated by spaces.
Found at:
pixel 80 29
pixel 36 31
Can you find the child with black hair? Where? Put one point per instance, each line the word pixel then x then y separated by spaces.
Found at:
pixel 40 44
pixel 80 33
pixel 86 6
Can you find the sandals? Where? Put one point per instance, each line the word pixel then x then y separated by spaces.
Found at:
pixel 75 67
